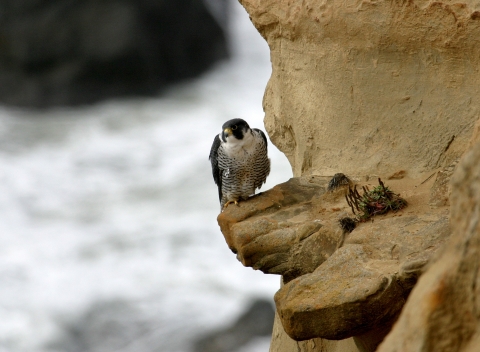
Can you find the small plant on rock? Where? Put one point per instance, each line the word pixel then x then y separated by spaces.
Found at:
pixel 378 201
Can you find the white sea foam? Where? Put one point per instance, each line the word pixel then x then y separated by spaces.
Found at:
pixel 117 201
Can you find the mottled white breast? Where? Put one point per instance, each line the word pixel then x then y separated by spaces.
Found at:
pixel 240 148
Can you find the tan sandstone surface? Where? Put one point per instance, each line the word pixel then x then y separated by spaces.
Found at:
pixel 369 88
pixel 337 285
pixel 443 312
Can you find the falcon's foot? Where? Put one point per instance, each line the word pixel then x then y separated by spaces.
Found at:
pixel 230 202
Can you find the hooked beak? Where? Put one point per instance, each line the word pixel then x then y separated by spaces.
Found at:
pixel 227 132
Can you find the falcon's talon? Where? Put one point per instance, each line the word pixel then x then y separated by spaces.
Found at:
pixel 230 202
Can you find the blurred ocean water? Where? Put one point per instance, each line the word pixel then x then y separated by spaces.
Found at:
pixel 116 203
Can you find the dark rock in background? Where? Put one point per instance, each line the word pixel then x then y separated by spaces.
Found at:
pixel 123 325
pixel 70 52
pixel 106 326
pixel 256 321
pixel 140 326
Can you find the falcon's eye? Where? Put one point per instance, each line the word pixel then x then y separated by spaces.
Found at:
pixel 234 128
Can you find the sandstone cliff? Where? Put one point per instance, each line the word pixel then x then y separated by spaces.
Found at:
pixel 369 88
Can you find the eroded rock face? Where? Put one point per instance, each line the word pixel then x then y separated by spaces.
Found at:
pixel 282 342
pixel 369 88
pixel 364 284
pixel 395 82
pixel 442 313
pixel 278 232
pixel 329 291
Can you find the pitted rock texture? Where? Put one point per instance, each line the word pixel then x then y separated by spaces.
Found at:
pixel 443 311
pixel 278 231
pixel 377 88
pixel 393 81
pixel 282 342
pixel 332 291
pixel 364 284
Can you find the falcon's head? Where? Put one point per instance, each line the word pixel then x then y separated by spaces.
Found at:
pixel 236 128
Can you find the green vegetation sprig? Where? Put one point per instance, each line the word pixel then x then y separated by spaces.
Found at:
pixel 378 201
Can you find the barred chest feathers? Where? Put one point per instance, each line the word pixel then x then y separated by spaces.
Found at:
pixel 240 162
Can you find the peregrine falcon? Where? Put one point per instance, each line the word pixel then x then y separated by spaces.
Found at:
pixel 240 162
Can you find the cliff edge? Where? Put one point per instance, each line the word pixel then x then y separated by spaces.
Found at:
pixel 370 89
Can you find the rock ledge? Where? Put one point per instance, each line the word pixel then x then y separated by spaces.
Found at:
pixel 336 285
